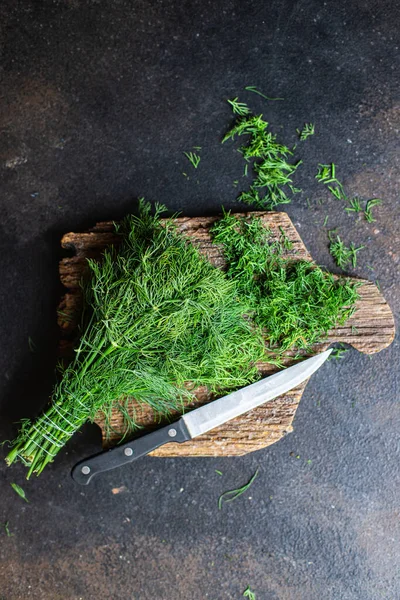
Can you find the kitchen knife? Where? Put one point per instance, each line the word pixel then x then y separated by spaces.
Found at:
pixel 200 420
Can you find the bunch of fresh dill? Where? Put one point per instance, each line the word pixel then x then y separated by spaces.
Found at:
pixel 160 317
pixel 294 301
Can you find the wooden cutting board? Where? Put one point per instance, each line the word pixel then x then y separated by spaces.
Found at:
pixel 370 330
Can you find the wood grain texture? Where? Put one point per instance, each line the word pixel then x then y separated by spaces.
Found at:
pixel 370 330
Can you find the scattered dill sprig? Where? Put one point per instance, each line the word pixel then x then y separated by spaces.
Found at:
pixel 368 210
pixel 307 130
pixel 270 163
pixel 355 205
pixel 239 108
pixel 218 472
pixel 294 302
pixel 193 158
pixel 233 494
pixel 249 594
pixel 159 316
pixel 338 353
pixel 252 88
pixel 325 220
pixel 7 529
pixel 344 256
pixel 327 175
pixel 31 344
pixel 18 489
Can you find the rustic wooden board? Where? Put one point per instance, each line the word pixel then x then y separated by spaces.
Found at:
pixel 370 330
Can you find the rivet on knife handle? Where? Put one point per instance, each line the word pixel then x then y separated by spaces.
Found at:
pixel 84 471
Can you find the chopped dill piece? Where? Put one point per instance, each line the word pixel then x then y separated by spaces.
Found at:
pixel 338 353
pixel 236 183
pixel 7 529
pixel 343 256
pixel 378 285
pixel 354 329
pixel 193 158
pixel 270 163
pixel 355 205
pixel 231 495
pixel 307 130
pixel 18 489
pixel 327 175
pixel 218 472
pixel 246 166
pixel 284 240
pixel 31 344
pixel 325 220
pixel 293 301
pixel 196 147
pixel 252 88
pixel 239 108
pixel 368 210
pixel 249 594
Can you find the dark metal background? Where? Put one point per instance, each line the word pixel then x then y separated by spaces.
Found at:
pixel 98 102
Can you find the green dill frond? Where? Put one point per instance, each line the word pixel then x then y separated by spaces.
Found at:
pixel 233 494
pixel 248 593
pixel 254 90
pixel 343 256
pixel 306 132
pixel 368 210
pixel 270 163
pixel 294 302
pixel 327 175
pixel 193 158
pixel 355 205
pixel 239 108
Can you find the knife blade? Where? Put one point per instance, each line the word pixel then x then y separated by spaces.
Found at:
pixel 201 420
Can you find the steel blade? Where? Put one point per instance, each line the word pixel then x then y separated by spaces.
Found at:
pixel 224 409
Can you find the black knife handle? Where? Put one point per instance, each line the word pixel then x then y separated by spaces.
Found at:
pixel 84 471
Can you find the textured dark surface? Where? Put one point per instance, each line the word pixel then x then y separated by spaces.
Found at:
pixel 98 101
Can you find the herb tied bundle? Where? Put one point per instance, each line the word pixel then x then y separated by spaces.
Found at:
pixel 160 316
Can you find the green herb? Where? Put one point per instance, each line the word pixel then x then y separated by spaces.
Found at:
pixel 193 158
pixel 355 205
pixel 307 130
pixel 19 491
pixel 249 594
pixel 246 166
pixel 251 88
pixel 293 301
pixel 159 316
pixel 327 175
pixel 218 472
pixel 31 344
pixel 7 530
pixel 326 220
pixel 338 353
pixel 233 494
pixel 270 164
pixel 368 211
pixel 285 242
pixel 239 108
pixel 344 256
